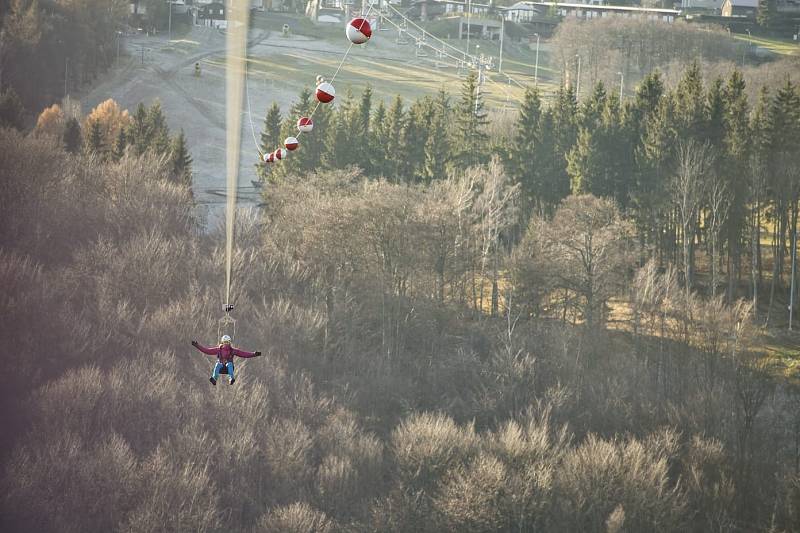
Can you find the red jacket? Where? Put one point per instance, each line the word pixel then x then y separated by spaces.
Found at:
pixel 224 352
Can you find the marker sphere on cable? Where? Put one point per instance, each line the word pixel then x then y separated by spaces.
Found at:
pixel 280 153
pixel 291 143
pixel 325 92
pixel 358 30
pixel 265 157
pixel 305 125
pixel 269 158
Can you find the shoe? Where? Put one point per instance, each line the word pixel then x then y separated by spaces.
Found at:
pixel 232 380
pixel 212 380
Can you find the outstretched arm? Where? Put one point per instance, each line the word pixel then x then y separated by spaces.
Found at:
pixel 204 349
pixel 244 353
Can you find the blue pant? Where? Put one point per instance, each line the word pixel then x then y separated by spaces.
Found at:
pixel 218 367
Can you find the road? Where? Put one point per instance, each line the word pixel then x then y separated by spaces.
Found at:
pixel 157 69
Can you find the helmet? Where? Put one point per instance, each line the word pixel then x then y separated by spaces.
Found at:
pixel 226 339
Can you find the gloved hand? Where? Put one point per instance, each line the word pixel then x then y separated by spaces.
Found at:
pixel 195 344
pixel 257 354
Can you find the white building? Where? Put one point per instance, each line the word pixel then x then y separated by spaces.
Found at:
pixel 589 11
pixel 521 12
pixel 710 5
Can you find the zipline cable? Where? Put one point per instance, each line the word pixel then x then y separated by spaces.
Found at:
pixel 344 57
pixel 249 112
pixel 236 41
pixel 333 78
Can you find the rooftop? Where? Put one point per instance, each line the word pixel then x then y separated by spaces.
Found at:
pixel 630 9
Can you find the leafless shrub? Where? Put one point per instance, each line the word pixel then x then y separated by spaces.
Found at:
pixel 140 197
pixel 475 498
pixel 287 448
pixel 179 497
pixel 296 518
pixel 69 485
pixel 31 304
pixel 351 472
pixel 426 445
pixel 161 265
pixel 600 475
pixel 635 46
pixel 709 485
pixel 616 520
pixel 87 401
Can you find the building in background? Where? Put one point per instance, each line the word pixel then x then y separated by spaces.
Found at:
pixel 740 8
pixel 712 7
pixel 596 10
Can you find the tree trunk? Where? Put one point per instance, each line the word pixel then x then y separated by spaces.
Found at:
pixel 775 262
pixel 758 244
pixel 686 274
pixel 755 272
pixel 714 268
pixel 495 298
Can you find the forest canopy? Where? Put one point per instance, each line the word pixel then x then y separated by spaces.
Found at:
pixel 559 330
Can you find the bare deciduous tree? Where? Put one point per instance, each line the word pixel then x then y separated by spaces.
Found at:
pixel 694 163
pixel 719 203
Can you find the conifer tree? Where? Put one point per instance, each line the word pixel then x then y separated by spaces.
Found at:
pixel 565 133
pixel 437 147
pixel 767 13
pixel 655 161
pixel 365 111
pixel 181 160
pixel 314 146
pixel 341 147
pixel 715 113
pixel 737 143
pixel 139 133
pixel 549 166
pixel 470 139
pixel 120 144
pixel 308 158
pixel 94 141
pixel 593 163
pixel 759 158
pixel 362 133
pixel 270 135
pixel 377 137
pixel 522 164
pixel 784 159
pixel 592 109
pixel 414 139
pixel 582 162
pixel 390 140
pixel 690 110
pixel 72 136
pixel 618 149
pixel 159 132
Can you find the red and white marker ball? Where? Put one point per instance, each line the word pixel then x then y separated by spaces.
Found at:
pixel 325 92
pixel 291 143
pixel 305 125
pixel 358 31
pixel 266 158
pixel 279 154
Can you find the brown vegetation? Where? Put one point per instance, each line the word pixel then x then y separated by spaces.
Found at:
pixel 390 397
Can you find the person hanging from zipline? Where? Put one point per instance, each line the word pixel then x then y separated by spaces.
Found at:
pixel 224 353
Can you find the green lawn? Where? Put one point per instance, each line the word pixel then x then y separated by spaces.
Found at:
pixel 778 46
pixel 291 69
pixel 394 71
